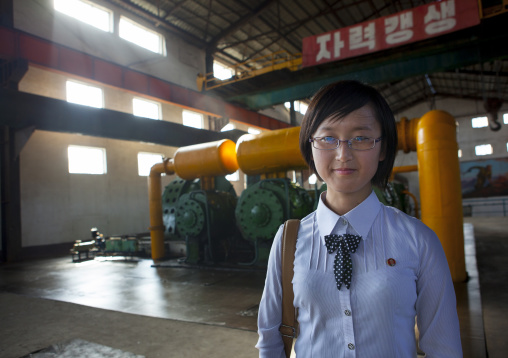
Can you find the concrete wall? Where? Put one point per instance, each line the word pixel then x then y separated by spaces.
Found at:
pixel 60 207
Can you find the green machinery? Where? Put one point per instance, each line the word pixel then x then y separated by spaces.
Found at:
pixel 204 219
pixel 264 206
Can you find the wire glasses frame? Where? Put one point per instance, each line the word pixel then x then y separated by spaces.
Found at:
pixel 365 143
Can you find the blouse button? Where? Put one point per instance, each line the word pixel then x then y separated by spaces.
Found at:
pixel 347 312
pixel 351 346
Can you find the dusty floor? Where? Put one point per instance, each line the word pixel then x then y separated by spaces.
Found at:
pixel 183 312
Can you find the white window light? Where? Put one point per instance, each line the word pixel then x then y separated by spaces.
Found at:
pixel 145 108
pixel 192 119
pixel 460 153
pixel 233 177
pixel 141 36
pixel 146 161
pixel 313 179
pixel 484 149
pixel 86 160
pixel 303 107
pixel 299 106
pixel 86 12
pixel 86 95
pixel 505 118
pixel 228 127
pixel 480 122
pixel 251 130
pixel 221 72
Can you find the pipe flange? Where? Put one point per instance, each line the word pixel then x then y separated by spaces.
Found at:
pixel 190 217
pixel 259 214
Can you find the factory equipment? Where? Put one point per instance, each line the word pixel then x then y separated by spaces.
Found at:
pixel 204 219
pixel 197 207
pixel 265 205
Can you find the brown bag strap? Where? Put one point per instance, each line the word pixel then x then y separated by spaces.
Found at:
pixel 288 328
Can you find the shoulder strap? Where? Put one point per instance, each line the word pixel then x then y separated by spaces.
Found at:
pixel 288 328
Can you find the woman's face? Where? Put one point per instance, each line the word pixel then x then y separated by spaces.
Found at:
pixel 347 172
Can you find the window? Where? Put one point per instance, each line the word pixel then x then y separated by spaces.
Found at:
pixel 313 179
pixel 505 118
pixel 251 130
pixel 233 177
pixel 299 106
pixel 221 72
pixel 480 122
pixel 86 12
pixel 192 119
pixel 146 161
pixel 84 94
pixel 145 108
pixel 86 160
pixel 141 36
pixel 228 127
pixel 460 153
pixel 484 149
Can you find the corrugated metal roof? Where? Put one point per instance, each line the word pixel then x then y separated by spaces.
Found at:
pixel 234 31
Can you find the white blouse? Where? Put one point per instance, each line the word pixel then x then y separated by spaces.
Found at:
pixel 376 317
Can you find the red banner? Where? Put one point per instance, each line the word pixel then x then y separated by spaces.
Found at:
pixel 408 26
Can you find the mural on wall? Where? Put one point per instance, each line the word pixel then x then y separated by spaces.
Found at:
pixel 481 178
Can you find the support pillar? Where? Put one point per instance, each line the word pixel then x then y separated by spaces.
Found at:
pixel 10 196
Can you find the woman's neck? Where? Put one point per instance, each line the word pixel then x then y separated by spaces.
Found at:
pixel 342 203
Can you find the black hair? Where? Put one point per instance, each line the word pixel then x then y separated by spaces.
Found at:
pixel 339 99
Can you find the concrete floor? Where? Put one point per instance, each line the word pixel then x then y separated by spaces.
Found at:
pixel 187 312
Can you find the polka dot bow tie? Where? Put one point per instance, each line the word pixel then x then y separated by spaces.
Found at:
pixel 342 266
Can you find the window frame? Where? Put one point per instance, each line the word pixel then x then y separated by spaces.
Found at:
pixel 194 113
pixel 483 145
pixel 70 165
pixel 141 173
pixel 84 84
pixel 109 12
pixel 162 40
pixel 158 104
pixel 483 125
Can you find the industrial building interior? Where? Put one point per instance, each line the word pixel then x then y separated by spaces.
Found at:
pixel 141 188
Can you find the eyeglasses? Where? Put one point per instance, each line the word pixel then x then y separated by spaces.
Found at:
pixel 356 143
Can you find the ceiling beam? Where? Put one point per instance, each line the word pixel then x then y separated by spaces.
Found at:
pixel 24 110
pixel 212 45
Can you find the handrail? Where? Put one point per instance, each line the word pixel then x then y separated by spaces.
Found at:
pixel 273 62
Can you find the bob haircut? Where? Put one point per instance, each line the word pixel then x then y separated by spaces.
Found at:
pixel 336 101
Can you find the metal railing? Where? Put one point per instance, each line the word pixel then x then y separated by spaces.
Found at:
pixel 496 206
pixel 276 61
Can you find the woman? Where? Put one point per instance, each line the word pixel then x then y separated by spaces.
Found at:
pixel 362 270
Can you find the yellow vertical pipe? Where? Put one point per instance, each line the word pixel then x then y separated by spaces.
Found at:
pixel 440 191
pixel 155 206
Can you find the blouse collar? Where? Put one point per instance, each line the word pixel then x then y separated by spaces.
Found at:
pixel 359 218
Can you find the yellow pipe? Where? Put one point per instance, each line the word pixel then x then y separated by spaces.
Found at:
pixel 405 169
pixel 202 160
pixel 155 206
pixel 270 152
pixel 406 134
pixel 206 160
pixel 440 189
